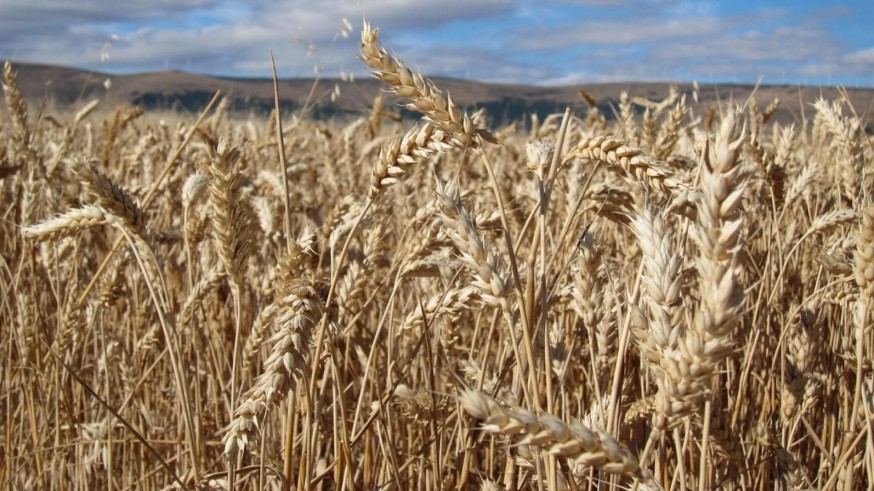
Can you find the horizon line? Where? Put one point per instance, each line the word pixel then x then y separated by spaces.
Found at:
pixel 345 79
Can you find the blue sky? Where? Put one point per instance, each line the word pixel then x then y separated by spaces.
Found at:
pixel 546 42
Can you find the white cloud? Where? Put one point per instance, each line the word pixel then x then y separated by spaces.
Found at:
pixel 864 57
pixel 99 10
pixel 619 33
pixel 783 44
pixel 54 18
pixel 215 35
pixel 507 40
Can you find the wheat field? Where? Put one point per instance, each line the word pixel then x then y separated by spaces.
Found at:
pixel 651 299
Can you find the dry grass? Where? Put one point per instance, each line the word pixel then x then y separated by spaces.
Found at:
pixel 670 301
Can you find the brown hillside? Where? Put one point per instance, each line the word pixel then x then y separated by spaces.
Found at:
pixel 61 87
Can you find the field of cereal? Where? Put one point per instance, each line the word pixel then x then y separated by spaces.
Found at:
pixel 666 299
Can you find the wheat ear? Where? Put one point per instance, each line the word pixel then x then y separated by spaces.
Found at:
pixel 660 285
pixel 423 95
pixel 290 346
pixel 401 152
pixel 109 195
pixel 18 111
pixel 637 164
pixel 231 217
pixel 446 126
pixel 583 445
pixel 66 224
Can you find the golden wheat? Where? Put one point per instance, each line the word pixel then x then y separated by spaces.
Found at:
pixel 664 299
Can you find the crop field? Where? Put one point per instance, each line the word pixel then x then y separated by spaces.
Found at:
pixel 658 298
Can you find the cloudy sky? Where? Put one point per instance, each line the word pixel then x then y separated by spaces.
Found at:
pixel 528 41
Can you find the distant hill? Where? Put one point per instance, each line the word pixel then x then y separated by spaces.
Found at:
pixel 62 87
